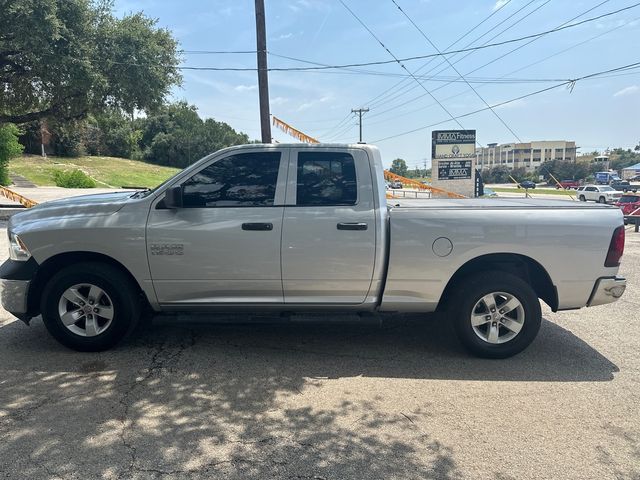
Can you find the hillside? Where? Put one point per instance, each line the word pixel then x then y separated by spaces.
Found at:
pixel 106 171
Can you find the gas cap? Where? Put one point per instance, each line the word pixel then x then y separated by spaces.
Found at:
pixel 442 246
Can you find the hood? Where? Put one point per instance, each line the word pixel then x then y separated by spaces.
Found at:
pixel 96 204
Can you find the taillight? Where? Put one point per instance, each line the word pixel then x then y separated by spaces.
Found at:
pixel 616 248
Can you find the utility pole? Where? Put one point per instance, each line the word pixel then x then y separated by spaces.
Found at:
pixel 360 111
pixel 263 74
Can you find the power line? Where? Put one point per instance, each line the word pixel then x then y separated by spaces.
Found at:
pixel 398 61
pixel 449 46
pixel 456 70
pixel 216 52
pixel 405 90
pixel 484 65
pixel 412 58
pixel 569 83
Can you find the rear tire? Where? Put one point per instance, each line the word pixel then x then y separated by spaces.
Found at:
pixel 582 198
pixel 501 329
pixel 90 306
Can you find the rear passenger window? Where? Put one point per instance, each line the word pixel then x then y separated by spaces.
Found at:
pixel 326 178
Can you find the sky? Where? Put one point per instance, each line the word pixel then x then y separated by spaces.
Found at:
pixel 597 113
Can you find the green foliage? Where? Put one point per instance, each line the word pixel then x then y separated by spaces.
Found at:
pixel 564 170
pixel 399 167
pixel 499 174
pixel 73 179
pixel 621 158
pixel 176 136
pixel 9 148
pixel 63 59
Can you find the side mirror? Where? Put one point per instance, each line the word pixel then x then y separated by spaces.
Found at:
pixel 173 197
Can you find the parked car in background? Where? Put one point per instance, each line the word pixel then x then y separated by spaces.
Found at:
pixel 527 184
pixel 489 193
pixel 395 185
pixel 628 203
pixel 568 184
pixel 624 186
pixel 598 193
pixel 634 179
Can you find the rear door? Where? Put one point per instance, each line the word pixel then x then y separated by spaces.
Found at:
pixel 329 229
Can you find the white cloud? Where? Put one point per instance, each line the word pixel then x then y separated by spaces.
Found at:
pixel 627 91
pixel 276 101
pixel 499 3
pixel 283 36
pixel 245 88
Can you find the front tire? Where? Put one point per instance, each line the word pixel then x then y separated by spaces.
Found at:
pixel 495 314
pixel 602 200
pixel 90 306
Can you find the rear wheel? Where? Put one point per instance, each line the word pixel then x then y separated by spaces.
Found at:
pixel 582 198
pixel 90 306
pixel 495 314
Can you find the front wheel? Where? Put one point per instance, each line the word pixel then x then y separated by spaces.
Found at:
pixel 602 200
pixel 90 306
pixel 495 314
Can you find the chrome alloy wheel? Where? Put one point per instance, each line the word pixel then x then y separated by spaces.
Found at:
pixel 85 309
pixel 497 317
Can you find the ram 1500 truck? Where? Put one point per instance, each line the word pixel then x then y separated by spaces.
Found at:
pixel 295 228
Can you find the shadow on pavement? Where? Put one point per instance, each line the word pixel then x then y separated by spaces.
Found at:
pixel 201 400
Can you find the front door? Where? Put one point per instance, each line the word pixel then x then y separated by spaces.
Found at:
pixel 223 246
pixel 329 231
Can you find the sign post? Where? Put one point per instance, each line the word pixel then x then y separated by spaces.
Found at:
pixel 453 160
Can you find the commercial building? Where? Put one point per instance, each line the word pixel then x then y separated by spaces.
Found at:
pixel 524 155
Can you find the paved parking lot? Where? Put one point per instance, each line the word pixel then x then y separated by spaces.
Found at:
pixel 321 399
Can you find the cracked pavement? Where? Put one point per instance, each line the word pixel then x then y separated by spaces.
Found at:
pixel 242 397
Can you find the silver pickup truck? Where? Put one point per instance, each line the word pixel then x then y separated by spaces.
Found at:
pixel 294 228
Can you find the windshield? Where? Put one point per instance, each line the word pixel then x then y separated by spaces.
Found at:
pixel 629 199
pixel 607 189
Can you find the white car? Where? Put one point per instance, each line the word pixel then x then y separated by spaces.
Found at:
pixel 598 193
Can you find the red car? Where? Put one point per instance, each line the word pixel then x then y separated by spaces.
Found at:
pixel 567 184
pixel 629 203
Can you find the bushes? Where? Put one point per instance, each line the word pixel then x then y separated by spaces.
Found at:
pixel 9 148
pixel 73 179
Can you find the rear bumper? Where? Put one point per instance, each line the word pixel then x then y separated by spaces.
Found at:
pixel 607 290
pixel 13 295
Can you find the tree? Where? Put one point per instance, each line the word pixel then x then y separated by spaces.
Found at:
pixel 177 136
pixel 9 148
pixel 64 59
pixel 399 167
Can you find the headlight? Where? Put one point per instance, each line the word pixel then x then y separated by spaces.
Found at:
pixel 17 249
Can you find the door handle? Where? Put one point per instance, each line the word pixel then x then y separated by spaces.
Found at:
pixel 352 226
pixel 257 226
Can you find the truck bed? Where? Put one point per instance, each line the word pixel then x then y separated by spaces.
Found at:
pixel 493 203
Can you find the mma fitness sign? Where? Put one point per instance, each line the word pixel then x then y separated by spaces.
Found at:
pixel 452 151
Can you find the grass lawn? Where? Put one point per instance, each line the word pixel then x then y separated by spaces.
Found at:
pixel 106 171
pixel 546 191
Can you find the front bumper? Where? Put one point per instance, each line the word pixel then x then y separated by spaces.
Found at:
pixel 13 295
pixel 607 290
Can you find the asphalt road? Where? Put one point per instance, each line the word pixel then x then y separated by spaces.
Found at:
pixel 250 398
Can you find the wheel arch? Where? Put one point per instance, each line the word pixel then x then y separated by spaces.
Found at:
pixel 520 265
pixel 55 263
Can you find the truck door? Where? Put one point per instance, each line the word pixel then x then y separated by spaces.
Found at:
pixel 223 246
pixel 329 230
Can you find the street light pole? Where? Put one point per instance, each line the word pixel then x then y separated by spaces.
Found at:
pixel 263 74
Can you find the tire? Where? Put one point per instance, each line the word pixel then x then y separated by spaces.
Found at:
pixel 70 293
pixel 602 200
pixel 506 289
pixel 582 198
